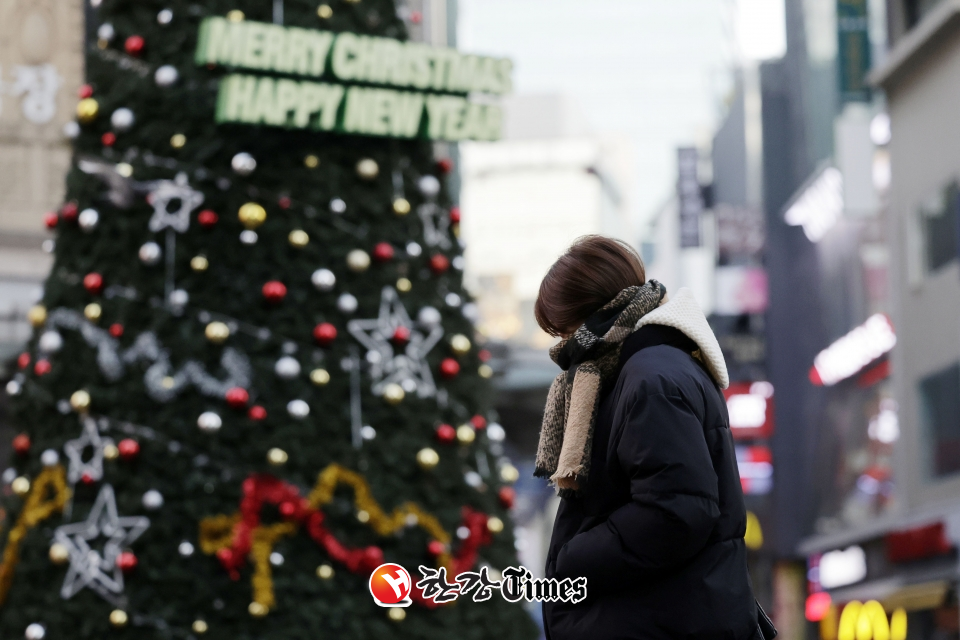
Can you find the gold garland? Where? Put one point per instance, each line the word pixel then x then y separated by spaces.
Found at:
pixel 216 532
pixel 36 508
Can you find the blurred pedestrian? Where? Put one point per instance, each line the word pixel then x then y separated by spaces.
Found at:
pixel 636 440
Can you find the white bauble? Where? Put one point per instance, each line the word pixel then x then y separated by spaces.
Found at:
pixel 323 279
pixel 243 163
pixel 122 119
pixel 287 368
pixel 150 253
pixel 209 422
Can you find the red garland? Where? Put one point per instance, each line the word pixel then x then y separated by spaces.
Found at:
pixel 263 488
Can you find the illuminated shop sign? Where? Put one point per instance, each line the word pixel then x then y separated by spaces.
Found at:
pixel 750 408
pixel 755 464
pixel 854 351
pixel 842 567
pixel 819 205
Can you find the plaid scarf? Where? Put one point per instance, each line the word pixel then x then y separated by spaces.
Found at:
pixel 588 358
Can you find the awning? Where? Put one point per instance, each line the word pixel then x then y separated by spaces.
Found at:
pixel 892 594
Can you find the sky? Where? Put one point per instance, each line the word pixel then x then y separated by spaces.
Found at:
pixel 654 71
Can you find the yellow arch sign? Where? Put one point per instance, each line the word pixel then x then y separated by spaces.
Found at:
pixel 868 621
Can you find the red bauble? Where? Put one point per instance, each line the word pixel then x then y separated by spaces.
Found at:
pixel 87 479
pixel 445 165
pixel 126 562
pixel 325 333
pixel 455 214
pixel 134 45
pixel 507 495
pixel 484 355
pixel 116 329
pixel 257 412
pixel 23 360
pixel 439 263
pixel 85 91
pixel 69 212
pixel 383 252
pixel 372 558
pixel 128 448
pixel 446 434
pixel 93 282
pixel 400 337
pixel 207 218
pixel 478 422
pixel 284 202
pixel 108 139
pixel 287 509
pixel 449 368
pixel 42 367
pixel 435 548
pixel 21 444
pixel 237 397
pixel 50 220
pixel 416 17
pixel 274 291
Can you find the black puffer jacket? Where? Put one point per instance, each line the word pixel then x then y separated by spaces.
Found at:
pixel 658 531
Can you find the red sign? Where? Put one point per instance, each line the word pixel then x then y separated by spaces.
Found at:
pixel 756 469
pixel 750 408
pixel 918 543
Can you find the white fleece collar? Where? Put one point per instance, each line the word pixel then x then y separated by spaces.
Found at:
pixel 681 311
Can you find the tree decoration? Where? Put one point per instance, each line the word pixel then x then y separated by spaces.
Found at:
pixel 58 554
pixel 401 206
pixel 427 458
pixel 150 253
pixel 320 377
pixel 49 458
pixel 80 401
pixel 439 263
pixel 257 412
pixel 252 215
pixel 449 368
pixel 358 260
pixel 108 139
pixel 507 496
pixel 199 263
pixel 368 169
pixel 48 496
pixel 89 469
pixel 127 562
pixel 274 291
pixel 129 449
pixel 119 618
pixel 383 252
pixel 466 434
pixel 209 422
pixel 92 312
pixel 298 238
pixel 406 366
pixel 42 367
pixel 460 344
pixel 298 409
pixel 134 45
pixel 217 332
pixel 347 303
pixel 23 360
pixel 237 398
pixel 93 283
pixel 446 434
pixel 21 486
pixel 287 368
pixel 478 422
pixel 208 219
pixel 50 220
pixel 115 330
pixel 21 444
pixel 325 333
pixel 243 164
pixel 162 194
pixel 393 393
pixel 88 219
pixel 455 215
pixel 87 110
pixel 277 456
pixel 445 165
pixel 122 119
pixel 166 76
pixel 323 279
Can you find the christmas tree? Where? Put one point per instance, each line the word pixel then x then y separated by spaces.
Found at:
pixel 253 376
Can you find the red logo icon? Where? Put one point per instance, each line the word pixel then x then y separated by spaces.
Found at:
pixel 390 586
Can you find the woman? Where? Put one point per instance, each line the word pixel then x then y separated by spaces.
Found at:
pixel 636 439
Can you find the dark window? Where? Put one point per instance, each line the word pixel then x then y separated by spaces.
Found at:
pixel 911 11
pixel 940 415
pixel 941 230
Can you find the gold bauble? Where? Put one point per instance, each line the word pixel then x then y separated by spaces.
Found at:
pixel 485 371
pixel 324 572
pixel 93 311
pixel 455 228
pixel 59 554
pixel 258 610
pixel 404 285
pixel 111 452
pixel 37 315
pixel 235 16
pixel 397 614
pixel 494 524
pixel 393 393
pixel 358 260
pixel 199 627
pixel 298 238
pixel 319 377
pixel 363 516
pixel 80 400
pixel 20 486
pixel 87 110
pixel 324 11
pixel 217 332
pixel 168 382
pixel 199 263
pixel 427 458
pixel 252 215
pixel 118 618
pixel 368 169
pixel 466 434
pixel 178 141
pixel 277 457
pixel 311 162
pixel 509 473
pixel 460 344
pixel 401 206
pixel 124 169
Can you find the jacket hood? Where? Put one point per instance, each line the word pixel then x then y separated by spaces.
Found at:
pixel 681 311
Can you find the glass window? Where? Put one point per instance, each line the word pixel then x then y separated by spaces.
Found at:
pixel 940 415
pixel 940 229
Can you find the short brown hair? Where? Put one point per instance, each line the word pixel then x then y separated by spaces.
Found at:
pixel 589 275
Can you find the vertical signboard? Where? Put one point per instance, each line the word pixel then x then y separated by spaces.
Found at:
pixel 853 53
pixel 689 197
